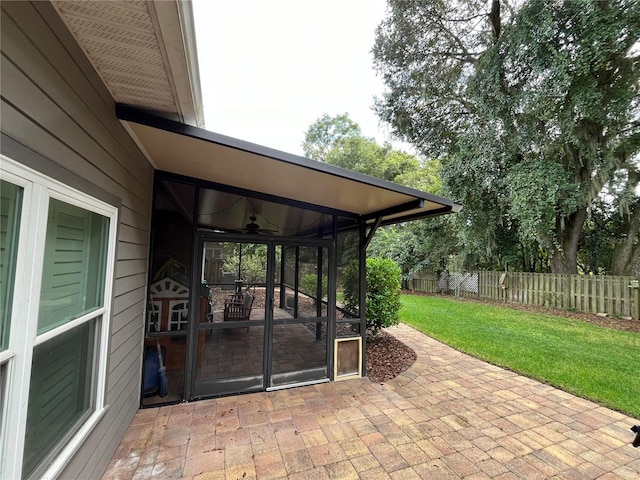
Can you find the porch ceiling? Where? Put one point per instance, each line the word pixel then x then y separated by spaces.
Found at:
pixel 181 149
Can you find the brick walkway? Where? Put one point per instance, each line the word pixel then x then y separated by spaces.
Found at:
pixel 448 416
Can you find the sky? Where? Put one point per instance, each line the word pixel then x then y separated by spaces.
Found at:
pixel 269 69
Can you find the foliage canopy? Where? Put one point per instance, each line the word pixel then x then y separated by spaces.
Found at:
pixel 326 132
pixel 532 107
pixel 419 244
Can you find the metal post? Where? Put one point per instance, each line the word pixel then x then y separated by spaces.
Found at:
pixel 362 260
pixel 331 296
pixel 194 305
pixel 319 294
pixel 296 284
pixel 267 369
pixel 282 282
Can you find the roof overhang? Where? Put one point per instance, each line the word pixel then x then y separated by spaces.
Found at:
pixel 144 51
pixel 193 152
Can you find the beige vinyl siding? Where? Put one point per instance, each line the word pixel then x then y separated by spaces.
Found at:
pixel 54 104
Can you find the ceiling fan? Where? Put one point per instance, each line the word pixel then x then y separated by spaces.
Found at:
pixel 251 228
pixel 256 229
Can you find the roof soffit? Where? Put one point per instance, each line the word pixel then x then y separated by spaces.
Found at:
pixel 143 51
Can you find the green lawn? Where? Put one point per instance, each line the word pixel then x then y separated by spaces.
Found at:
pixel 592 362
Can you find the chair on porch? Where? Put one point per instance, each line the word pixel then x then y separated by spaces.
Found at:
pixel 237 309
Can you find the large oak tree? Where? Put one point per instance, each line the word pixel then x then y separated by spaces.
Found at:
pixel 532 105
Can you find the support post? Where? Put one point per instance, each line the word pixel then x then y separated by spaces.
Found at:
pixel 362 260
pixel 319 294
pixel 634 286
pixel 283 292
pixel 296 284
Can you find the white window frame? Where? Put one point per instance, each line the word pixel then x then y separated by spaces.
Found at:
pixel 38 189
pixel 181 309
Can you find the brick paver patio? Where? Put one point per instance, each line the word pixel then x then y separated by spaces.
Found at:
pixel 448 416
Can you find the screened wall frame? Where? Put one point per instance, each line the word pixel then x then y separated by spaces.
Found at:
pixel 251 376
pixel 322 251
pixel 238 170
pixel 232 199
pixel 40 192
pixel 269 376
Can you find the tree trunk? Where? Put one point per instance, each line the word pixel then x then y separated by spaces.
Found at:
pixel 565 259
pixel 494 18
pixel 626 253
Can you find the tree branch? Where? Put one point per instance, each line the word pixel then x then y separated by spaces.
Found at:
pixel 473 17
pixel 457 41
pixel 469 57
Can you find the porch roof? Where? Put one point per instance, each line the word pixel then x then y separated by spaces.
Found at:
pixel 194 152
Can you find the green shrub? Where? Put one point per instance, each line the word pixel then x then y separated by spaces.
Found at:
pixel 252 260
pixel 309 285
pixel 383 292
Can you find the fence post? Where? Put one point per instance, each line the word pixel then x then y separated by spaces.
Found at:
pixel 634 286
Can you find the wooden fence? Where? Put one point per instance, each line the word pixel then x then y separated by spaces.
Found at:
pixel 427 283
pixel 612 295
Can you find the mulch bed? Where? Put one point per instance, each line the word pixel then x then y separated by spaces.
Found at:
pixel 387 357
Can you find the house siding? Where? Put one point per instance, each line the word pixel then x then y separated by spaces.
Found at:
pixel 58 117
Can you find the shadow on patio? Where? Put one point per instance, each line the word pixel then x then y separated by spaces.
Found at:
pixel 448 416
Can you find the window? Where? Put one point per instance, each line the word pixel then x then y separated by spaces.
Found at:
pixel 10 212
pixel 58 245
pixel 10 203
pixel 179 314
